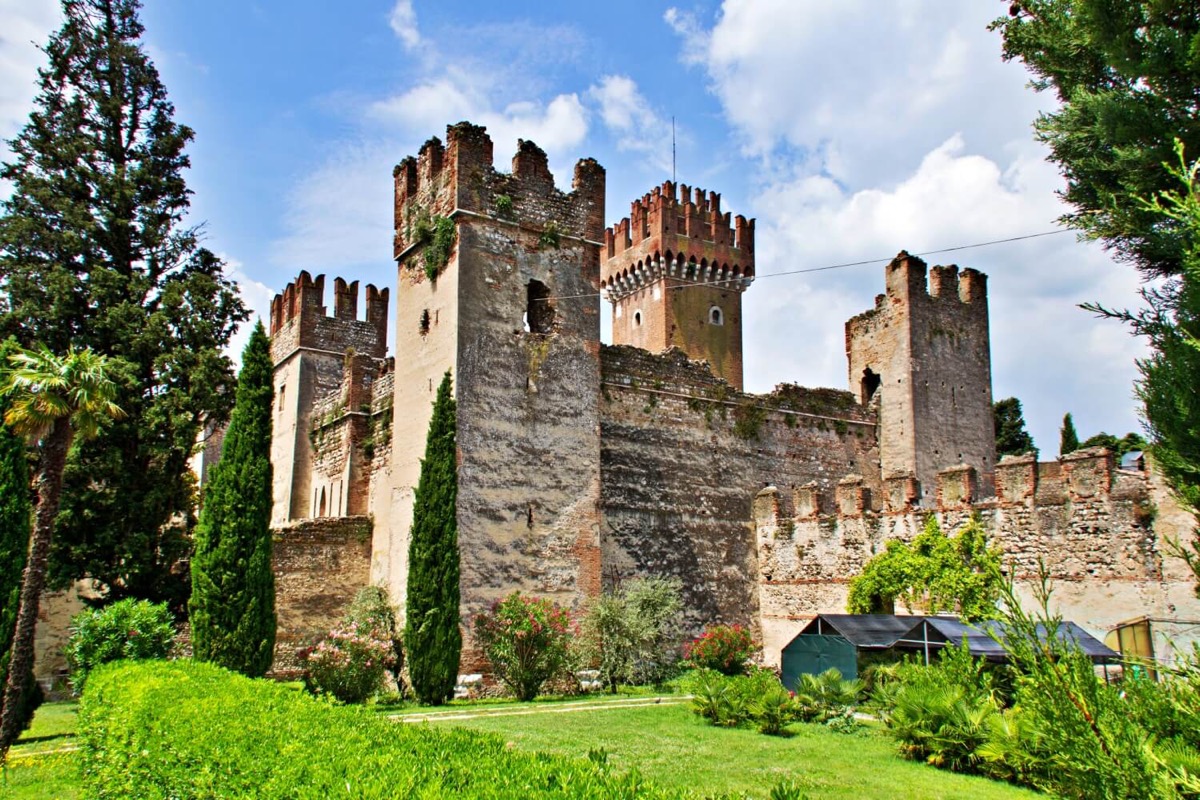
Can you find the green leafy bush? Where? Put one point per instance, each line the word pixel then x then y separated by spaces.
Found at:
pixel 186 729
pixel 349 664
pixel 725 648
pixel 371 610
pixel 756 699
pixel 526 640
pixel 440 237
pixel 632 634
pixel 825 697
pixel 136 629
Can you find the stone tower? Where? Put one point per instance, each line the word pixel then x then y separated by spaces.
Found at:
pixel 675 270
pixel 311 351
pixel 922 355
pixel 511 313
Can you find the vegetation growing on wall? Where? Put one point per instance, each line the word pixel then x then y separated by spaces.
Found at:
pixel 936 573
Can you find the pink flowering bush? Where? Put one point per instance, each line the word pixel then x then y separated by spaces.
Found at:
pixel 527 640
pixel 349 663
pixel 724 648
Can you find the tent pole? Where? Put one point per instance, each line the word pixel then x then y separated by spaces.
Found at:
pixel 925 636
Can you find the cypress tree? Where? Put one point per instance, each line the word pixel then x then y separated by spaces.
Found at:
pixel 1011 437
pixel 431 632
pixel 233 587
pixel 1068 439
pixel 15 509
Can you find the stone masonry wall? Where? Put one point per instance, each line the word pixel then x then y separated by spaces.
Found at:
pixel 682 452
pixel 523 348
pixel 319 566
pixel 1094 529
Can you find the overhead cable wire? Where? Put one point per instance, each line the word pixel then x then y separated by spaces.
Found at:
pixel 844 265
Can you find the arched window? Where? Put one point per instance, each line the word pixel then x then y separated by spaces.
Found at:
pixel 321 510
pixel 715 317
pixel 637 319
pixel 870 385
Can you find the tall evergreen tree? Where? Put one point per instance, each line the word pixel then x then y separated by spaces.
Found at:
pixel 93 254
pixel 233 585
pixel 1068 439
pixel 431 631
pixel 52 400
pixel 15 508
pixel 1012 439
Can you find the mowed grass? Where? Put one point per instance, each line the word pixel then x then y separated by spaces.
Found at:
pixel 42 765
pixel 672 746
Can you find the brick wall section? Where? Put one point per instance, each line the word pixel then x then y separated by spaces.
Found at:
pixel 322 362
pixel 654 260
pixel 679 471
pixel 319 565
pixel 1094 530
pixel 928 347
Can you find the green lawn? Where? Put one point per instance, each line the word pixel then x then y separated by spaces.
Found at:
pixel 674 747
pixel 41 765
pixel 666 743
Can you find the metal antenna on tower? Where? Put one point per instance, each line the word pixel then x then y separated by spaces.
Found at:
pixel 672 148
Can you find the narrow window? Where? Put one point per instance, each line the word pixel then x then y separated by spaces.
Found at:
pixel 539 312
pixel 715 317
pixel 637 318
pixel 321 512
pixel 870 385
pixel 282 387
pixel 424 324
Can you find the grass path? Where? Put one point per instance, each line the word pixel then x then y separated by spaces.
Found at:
pixel 420 715
pixel 673 747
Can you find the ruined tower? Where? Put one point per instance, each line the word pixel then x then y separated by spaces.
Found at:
pixel 498 275
pixel 675 270
pixel 922 354
pixel 323 365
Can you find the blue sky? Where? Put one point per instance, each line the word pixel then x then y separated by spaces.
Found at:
pixel 850 130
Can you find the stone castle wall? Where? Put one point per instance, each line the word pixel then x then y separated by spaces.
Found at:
pixel 1099 532
pixel 681 453
pixel 319 566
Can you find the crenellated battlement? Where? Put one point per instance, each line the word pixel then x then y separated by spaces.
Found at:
pixel 458 177
pixel 678 231
pixel 300 318
pixel 907 281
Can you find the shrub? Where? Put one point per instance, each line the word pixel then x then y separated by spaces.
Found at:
pixel 734 701
pixel 724 648
pixel 632 634
pixel 371 610
pixel 527 641
pixel 136 629
pixel 188 729
pixel 825 697
pixel 349 664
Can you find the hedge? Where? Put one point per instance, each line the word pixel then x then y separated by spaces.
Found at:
pixel 184 729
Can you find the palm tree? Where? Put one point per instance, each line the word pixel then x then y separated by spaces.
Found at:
pixel 52 399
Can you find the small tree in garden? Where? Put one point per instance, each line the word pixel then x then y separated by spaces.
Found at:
pixel 431 630
pixel 527 641
pixel 725 648
pixel 632 634
pixel 134 629
pixel 371 610
pixel 233 585
pixel 350 663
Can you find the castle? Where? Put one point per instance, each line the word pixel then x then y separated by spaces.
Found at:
pixel 583 464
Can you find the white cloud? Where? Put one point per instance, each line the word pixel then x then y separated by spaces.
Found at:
pixel 27 25
pixel 814 78
pixel 403 21
pixel 1053 356
pixel 627 113
pixel 257 297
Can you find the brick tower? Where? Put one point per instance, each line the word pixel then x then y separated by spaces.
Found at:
pixel 508 308
pixel 674 271
pixel 922 354
pixel 311 352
